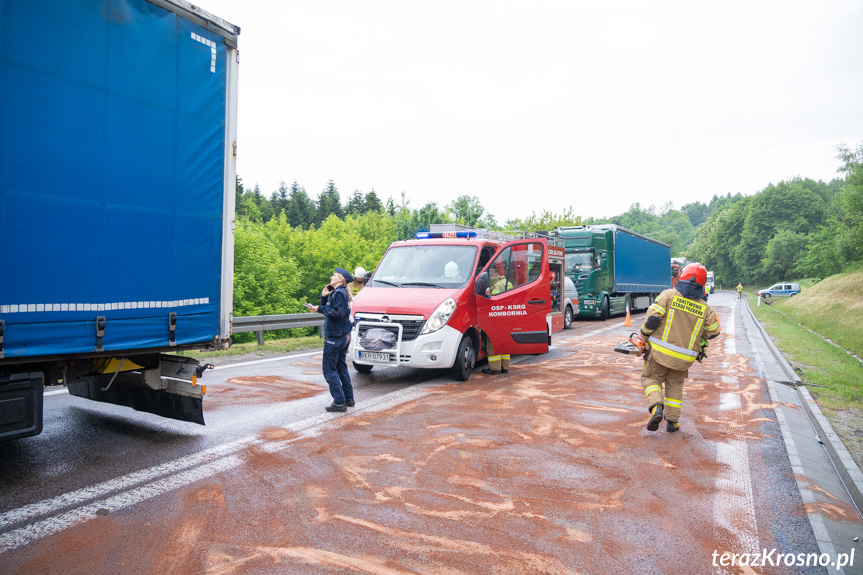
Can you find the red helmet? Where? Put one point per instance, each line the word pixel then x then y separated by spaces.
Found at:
pixel 694 271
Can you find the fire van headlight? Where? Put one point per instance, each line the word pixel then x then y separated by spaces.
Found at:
pixel 440 316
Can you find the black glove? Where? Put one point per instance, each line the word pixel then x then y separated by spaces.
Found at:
pixel 703 353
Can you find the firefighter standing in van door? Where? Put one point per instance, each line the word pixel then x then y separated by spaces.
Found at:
pixel 497 364
pixel 676 328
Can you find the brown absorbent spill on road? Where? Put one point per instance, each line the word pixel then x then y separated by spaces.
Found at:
pixel 547 470
pixel 259 389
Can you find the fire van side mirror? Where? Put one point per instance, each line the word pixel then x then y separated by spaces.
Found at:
pixel 481 284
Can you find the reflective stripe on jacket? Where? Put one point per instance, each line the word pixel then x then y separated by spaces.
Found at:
pixel 676 340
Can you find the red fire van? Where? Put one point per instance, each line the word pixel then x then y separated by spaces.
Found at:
pixel 429 303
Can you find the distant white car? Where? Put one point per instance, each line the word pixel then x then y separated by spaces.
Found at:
pixel 570 302
pixel 784 289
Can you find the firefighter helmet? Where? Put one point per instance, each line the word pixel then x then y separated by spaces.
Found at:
pixel 694 271
pixel 450 270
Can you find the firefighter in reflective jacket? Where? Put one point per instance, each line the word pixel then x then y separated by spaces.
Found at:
pixel 677 327
pixel 497 363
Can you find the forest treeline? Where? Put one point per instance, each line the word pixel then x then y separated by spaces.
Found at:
pixel 287 244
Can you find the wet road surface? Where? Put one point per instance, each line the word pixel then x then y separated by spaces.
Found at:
pixel 548 469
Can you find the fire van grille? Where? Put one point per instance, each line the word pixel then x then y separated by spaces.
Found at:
pixel 410 329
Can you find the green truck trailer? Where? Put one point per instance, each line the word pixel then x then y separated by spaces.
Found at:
pixel 614 268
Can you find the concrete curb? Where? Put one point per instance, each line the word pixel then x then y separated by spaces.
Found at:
pixel 845 465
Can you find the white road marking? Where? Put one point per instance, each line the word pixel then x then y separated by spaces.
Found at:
pixel 122 492
pixel 147 483
pixel 269 359
pixel 734 503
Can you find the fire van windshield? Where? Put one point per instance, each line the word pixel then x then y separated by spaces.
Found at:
pixel 429 267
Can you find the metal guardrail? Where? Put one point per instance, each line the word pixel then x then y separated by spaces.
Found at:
pixel 261 323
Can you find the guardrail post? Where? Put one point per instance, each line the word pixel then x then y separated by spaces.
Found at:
pixel 260 335
pixel 321 331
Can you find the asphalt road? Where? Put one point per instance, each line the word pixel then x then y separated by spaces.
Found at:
pixel 546 470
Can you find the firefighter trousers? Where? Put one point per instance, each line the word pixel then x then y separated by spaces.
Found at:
pixel 653 376
pixel 496 362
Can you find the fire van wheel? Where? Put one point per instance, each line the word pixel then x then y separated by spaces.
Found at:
pixel 464 359
pixel 362 368
pixel 567 317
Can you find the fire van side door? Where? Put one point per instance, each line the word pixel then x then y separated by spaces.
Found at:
pixel 512 310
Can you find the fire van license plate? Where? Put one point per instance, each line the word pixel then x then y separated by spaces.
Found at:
pixel 373 356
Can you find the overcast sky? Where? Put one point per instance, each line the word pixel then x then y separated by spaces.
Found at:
pixel 539 105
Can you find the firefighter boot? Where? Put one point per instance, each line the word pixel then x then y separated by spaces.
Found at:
pixel 655 417
pixel 671 426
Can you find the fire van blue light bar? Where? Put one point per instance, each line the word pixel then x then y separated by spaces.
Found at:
pixel 430 235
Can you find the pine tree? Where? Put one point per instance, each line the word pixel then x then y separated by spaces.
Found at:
pixel 329 203
pixel 280 199
pixel 263 204
pixel 356 205
pixel 372 202
pixel 300 211
pixel 239 199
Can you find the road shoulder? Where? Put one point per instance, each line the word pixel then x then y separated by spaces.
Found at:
pixel 825 472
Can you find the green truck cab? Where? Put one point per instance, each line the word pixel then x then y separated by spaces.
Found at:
pixel 613 268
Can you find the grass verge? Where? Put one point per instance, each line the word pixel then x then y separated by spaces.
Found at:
pixel 817 361
pixel 834 377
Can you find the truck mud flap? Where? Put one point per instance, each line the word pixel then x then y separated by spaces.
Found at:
pixel 141 398
pixel 21 405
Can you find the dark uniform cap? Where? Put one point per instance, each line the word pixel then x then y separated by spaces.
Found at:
pixel 345 274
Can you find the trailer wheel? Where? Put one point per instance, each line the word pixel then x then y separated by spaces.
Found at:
pixel 362 368
pixel 603 315
pixel 464 359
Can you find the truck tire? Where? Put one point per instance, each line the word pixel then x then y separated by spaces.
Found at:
pixel 464 359
pixel 604 313
pixel 362 368
pixel 567 317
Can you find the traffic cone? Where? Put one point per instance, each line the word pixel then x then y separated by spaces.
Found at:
pixel 628 322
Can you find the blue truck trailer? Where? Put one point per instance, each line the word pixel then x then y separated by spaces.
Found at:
pixel 117 186
pixel 613 268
